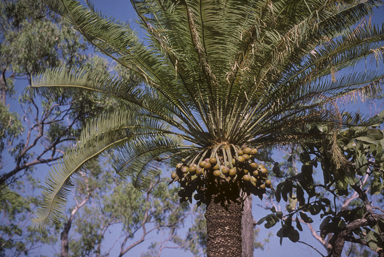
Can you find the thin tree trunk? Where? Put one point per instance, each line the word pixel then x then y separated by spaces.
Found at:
pixel 64 238
pixel 68 224
pixel 248 226
pixel 3 84
pixel 223 216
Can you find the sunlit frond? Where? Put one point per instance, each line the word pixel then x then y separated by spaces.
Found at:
pixel 108 132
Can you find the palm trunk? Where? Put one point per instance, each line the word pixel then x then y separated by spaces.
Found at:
pixel 223 217
pixel 248 228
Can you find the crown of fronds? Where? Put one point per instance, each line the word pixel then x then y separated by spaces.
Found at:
pixel 216 72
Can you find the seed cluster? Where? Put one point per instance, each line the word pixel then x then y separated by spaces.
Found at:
pixel 221 172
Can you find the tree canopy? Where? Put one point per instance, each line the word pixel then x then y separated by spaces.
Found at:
pixel 222 80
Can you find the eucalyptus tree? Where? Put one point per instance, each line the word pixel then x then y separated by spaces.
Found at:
pixel 21 56
pixel 228 78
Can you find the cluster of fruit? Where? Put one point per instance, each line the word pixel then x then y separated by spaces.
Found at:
pixel 241 169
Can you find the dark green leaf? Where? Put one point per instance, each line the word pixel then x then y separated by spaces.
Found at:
pixel 326 201
pixel 341 224
pixel 305 218
pixel 300 195
pixel 271 221
pixel 261 220
pixel 307 179
pixel 298 224
pixel 293 235
pixel 315 209
pixel 278 192
pixel 376 185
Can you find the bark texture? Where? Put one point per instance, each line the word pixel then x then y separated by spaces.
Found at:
pixel 223 216
pixel 64 238
pixel 248 226
pixel 339 239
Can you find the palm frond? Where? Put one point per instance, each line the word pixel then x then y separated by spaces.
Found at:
pixel 108 132
pixel 119 88
pixel 136 159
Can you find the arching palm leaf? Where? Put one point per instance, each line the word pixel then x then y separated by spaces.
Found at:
pixel 125 129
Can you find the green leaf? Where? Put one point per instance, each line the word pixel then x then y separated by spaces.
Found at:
pixel 280 234
pixel 287 189
pixel 341 224
pixel 298 225
pixel 305 218
pixel 271 220
pixel 278 192
pixel 377 120
pixel 325 222
pixel 261 220
pixel 374 241
pixel 328 226
pixel 307 179
pixel 375 134
pixel 326 201
pixel 293 235
pixel 300 195
pixel 315 208
pixel 290 232
pixel 292 203
pixel 376 185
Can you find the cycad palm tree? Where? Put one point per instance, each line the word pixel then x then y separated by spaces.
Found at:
pixel 218 75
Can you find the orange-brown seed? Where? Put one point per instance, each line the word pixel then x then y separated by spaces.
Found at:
pixel 253 151
pixel 253 165
pixel 207 165
pixel 213 160
pixel 246 178
pixel 225 170
pixel 216 173
pixel 264 171
pixel 247 150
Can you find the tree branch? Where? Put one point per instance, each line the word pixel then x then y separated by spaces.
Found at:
pixel 68 224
